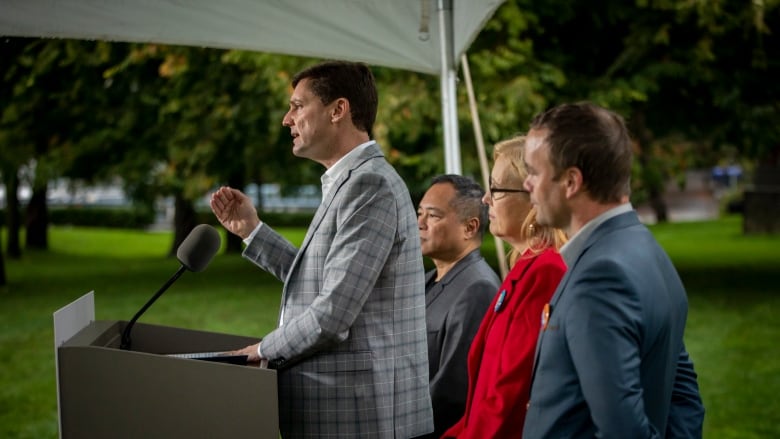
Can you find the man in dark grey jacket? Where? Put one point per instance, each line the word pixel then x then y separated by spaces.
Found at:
pixel 452 221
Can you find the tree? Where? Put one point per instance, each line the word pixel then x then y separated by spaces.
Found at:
pixel 692 78
pixel 52 103
pixel 15 145
pixel 217 120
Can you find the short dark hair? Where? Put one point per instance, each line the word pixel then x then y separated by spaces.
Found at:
pixel 331 80
pixel 594 140
pixel 468 199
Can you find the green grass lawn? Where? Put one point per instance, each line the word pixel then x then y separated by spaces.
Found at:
pixel 732 283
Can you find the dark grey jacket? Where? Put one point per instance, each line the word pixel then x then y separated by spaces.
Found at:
pixel 454 309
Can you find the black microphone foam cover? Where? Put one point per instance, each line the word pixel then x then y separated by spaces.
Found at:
pixel 197 249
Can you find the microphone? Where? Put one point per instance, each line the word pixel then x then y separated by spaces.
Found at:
pixel 194 254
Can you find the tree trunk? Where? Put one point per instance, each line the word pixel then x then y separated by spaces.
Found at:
pixel 184 220
pixel 652 178
pixel 761 204
pixel 658 204
pixel 13 218
pixel 37 220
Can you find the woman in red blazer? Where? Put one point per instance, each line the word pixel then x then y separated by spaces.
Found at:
pixel 502 353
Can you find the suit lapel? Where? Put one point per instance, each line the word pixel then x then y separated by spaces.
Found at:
pixel 366 154
pixel 461 265
pixel 436 289
pixel 369 152
pixel 621 221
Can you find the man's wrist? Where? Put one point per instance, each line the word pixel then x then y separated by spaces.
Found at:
pixel 259 352
pixel 252 234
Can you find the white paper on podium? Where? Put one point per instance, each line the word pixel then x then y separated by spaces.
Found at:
pixel 68 321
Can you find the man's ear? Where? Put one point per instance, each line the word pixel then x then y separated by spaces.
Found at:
pixel 572 180
pixel 471 227
pixel 340 110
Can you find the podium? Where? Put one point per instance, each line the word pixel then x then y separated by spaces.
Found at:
pixel 143 393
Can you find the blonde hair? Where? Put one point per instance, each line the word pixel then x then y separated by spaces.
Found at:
pixel 538 237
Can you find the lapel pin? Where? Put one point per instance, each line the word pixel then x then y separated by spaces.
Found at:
pixel 500 301
pixel 545 316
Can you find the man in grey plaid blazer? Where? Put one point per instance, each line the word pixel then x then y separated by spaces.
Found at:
pixel 350 347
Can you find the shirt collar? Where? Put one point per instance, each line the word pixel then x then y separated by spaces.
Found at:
pixel 334 172
pixel 572 249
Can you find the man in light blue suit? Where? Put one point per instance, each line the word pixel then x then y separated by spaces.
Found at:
pixel 610 360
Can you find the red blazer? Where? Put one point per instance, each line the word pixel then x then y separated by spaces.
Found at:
pixel 502 353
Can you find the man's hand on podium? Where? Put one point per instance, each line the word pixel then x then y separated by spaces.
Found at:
pixel 252 353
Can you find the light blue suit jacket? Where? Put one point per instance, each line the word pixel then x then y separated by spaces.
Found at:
pixel 351 346
pixel 611 362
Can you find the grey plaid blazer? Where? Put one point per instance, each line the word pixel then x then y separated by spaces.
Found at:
pixel 351 344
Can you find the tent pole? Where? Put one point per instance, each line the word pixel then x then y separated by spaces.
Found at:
pixel 483 163
pixel 449 97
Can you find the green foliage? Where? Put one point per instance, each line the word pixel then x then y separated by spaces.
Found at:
pixel 693 79
pixel 54 97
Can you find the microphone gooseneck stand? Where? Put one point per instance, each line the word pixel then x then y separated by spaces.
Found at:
pixel 125 344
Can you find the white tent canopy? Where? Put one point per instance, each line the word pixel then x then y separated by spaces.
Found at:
pixel 427 36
